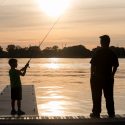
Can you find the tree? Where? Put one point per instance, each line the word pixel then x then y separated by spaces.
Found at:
pixel 79 51
pixel 1 49
pixel 34 51
pixel 10 48
pixel 55 48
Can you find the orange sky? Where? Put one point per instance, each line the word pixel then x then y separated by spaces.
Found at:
pixel 24 23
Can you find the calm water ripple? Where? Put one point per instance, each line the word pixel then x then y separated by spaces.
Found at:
pixel 62 85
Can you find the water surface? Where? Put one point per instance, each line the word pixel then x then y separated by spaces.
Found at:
pixel 62 85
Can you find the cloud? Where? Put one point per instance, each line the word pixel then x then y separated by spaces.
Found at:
pixel 23 14
pixel 22 19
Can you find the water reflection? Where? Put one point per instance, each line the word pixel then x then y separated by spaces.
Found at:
pixel 52 66
pixel 62 85
pixel 51 101
pixel 53 63
pixel 52 108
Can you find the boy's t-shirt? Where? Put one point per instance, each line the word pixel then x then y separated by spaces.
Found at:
pixel 14 78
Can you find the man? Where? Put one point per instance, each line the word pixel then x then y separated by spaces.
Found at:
pixel 104 65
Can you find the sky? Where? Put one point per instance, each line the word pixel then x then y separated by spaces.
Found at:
pixel 24 23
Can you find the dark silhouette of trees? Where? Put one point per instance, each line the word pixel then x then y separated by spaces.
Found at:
pixel 1 49
pixel 119 51
pixel 78 51
pixel 75 52
pixel 34 51
pixel 51 52
pixel 16 51
pixel 2 53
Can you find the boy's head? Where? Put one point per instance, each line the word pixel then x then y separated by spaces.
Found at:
pixel 13 63
pixel 105 40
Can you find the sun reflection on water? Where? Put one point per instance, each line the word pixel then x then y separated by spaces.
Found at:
pixel 53 63
pixel 51 102
pixel 52 108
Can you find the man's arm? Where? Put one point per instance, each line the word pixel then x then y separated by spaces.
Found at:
pixel 93 68
pixel 115 65
pixel 114 70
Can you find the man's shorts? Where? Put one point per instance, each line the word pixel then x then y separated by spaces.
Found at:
pixel 16 93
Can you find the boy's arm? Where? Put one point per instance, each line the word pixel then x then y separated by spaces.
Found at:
pixel 23 70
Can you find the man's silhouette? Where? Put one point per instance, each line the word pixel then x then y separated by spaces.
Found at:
pixel 104 64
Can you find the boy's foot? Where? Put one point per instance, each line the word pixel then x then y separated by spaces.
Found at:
pixel 111 116
pixel 92 115
pixel 13 112
pixel 20 112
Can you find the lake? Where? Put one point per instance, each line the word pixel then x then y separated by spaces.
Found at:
pixel 62 85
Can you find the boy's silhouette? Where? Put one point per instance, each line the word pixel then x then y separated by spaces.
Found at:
pixel 104 64
pixel 16 87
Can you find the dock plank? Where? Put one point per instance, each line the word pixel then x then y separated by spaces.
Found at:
pixel 37 121
pixel 29 104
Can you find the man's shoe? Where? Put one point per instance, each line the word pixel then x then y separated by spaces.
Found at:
pixel 13 112
pixel 21 112
pixel 92 115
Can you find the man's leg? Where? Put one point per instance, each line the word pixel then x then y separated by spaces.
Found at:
pixel 13 104
pixel 108 94
pixel 96 98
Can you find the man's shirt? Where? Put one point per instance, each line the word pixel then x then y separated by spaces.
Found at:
pixel 103 61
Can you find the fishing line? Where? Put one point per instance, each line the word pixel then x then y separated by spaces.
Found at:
pixel 47 35
pixel 2 3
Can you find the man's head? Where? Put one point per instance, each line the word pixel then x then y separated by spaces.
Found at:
pixel 105 40
pixel 13 63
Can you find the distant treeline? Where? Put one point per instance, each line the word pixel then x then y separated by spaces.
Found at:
pixel 78 51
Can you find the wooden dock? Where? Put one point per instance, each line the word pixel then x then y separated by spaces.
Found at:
pixel 29 105
pixel 56 120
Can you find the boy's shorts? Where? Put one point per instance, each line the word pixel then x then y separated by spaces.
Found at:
pixel 16 93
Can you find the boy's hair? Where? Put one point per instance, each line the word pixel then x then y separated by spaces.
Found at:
pixel 12 62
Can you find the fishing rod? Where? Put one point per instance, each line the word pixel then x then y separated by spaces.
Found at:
pixel 46 36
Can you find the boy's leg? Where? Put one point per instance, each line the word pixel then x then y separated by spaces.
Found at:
pixel 20 112
pixel 13 111
pixel 19 104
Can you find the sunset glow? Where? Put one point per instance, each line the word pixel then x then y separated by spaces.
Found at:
pixel 54 8
pixel 25 22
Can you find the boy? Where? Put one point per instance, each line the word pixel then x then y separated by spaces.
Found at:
pixel 16 87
